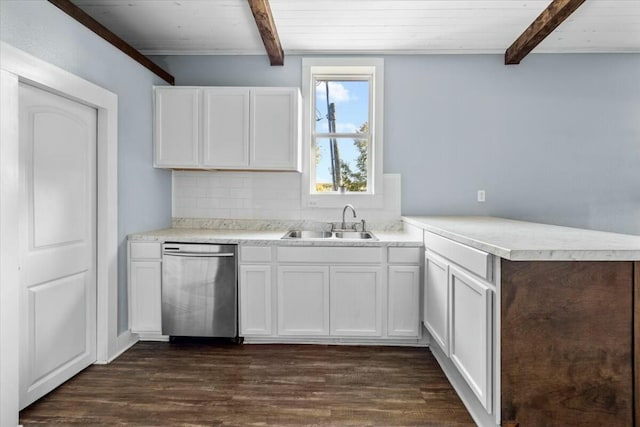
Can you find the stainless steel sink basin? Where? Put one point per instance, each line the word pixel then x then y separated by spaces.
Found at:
pixel 359 235
pixel 345 235
pixel 306 234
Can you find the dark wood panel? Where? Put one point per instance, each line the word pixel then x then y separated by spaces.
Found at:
pixel 82 17
pixel 199 383
pixel 566 355
pixel 636 341
pixel 540 28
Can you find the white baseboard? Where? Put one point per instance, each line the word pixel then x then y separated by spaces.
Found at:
pixel 336 341
pixel 477 412
pixel 124 342
pixel 153 337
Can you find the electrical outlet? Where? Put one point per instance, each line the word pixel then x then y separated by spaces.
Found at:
pixel 481 196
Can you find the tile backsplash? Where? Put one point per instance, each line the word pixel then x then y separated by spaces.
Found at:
pixel 264 196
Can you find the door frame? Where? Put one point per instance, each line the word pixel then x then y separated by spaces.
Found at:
pixel 18 66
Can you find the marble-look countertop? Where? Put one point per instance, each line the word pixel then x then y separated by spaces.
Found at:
pixel 263 238
pixel 528 241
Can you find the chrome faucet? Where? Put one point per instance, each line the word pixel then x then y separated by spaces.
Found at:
pixel 344 211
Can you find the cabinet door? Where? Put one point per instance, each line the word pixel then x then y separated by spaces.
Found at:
pixel 225 138
pixel 471 332
pixel 145 286
pixel 356 301
pixel 275 133
pixel 303 300
pixel 404 301
pixel 255 300
pixel 436 300
pixel 176 134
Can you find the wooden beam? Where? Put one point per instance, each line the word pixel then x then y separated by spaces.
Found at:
pixel 82 17
pixel 267 27
pixel 544 24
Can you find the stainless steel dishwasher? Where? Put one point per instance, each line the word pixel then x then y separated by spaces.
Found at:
pixel 199 290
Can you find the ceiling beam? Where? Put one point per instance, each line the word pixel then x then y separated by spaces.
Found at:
pixel 267 27
pixel 544 24
pixel 82 17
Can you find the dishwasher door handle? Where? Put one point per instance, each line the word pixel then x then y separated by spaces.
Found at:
pixel 200 254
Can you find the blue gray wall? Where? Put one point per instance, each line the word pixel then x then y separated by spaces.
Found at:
pixel 555 139
pixel 144 193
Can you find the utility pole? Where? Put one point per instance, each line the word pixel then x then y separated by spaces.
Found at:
pixel 333 142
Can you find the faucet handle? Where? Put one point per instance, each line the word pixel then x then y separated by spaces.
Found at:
pixel 362 221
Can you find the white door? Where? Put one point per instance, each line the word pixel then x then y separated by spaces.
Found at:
pixel 303 300
pixel 57 241
pixel 404 301
pixel 356 301
pixel 436 299
pixel 146 304
pixel 471 340
pixel 225 141
pixel 176 132
pixel 255 300
pixel 274 128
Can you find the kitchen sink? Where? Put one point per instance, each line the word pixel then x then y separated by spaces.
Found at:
pixel 345 235
pixel 359 235
pixel 306 234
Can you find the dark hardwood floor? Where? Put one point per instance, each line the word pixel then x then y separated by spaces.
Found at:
pixel 203 383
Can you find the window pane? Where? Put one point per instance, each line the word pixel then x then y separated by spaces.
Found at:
pixel 347 157
pixel 348 103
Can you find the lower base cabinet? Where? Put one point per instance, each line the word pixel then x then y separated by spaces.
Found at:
pixel 356 301
pixel 459 311
pixel 403 301
pixel 471 323
pixel 436 300
pixel 145 277
pixel 318 292
pixel 303 300
pixel 255 300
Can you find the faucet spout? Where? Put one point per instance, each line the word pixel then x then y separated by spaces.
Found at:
pixel 344 211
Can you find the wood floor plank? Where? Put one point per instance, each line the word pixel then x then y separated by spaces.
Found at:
pixel 197 382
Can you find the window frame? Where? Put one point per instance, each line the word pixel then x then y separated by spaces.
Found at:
pixel 371 69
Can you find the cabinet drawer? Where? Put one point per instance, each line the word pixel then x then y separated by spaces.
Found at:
pixel 472 259
pixel 404 256
pixel 330 255
pixel 145 250
pixel 255 254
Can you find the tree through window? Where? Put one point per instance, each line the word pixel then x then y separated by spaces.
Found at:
pixel 341 138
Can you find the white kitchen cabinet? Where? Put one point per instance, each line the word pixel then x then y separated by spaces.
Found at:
pixel 403 301
pixel 243 128
pixel 458 312
pixel 225 133
pixel 471 337
pixel 356 301
pixel 303 300
pixel 255 300
pixel 331 294
pixel 176 133
pixel 436 299
pixel 275 128
pixel 145 277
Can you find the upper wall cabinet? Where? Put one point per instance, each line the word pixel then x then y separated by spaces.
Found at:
pixel 227 128
pixel 177 127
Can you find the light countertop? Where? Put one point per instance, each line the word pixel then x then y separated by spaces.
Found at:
pixel 263 238
pixel 528 241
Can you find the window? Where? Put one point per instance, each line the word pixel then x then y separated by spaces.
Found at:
pixel 343 131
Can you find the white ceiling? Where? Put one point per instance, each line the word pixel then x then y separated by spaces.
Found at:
pixel 164 27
